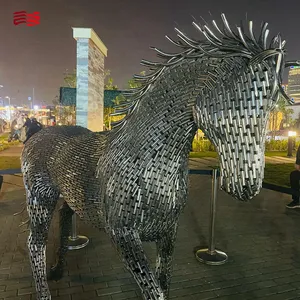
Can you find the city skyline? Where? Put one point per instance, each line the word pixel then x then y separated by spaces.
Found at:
pixel 37 57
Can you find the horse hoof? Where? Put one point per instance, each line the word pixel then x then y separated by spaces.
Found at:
pixel 55 273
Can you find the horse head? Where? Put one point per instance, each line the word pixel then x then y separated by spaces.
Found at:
pixel 233 112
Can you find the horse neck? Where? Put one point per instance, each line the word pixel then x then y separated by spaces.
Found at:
pixel 163 118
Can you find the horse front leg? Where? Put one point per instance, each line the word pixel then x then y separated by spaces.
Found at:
pixel 130 247
pixel 65 223
pixel 165 249
pixel 40 214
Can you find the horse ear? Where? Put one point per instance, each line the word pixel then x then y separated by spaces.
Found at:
pixel 292 63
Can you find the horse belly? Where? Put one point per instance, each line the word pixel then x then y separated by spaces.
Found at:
pixel 153 223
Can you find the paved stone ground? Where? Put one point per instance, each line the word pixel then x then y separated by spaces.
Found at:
pixel 260 237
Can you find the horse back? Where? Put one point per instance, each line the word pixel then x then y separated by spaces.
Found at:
pixel 65 157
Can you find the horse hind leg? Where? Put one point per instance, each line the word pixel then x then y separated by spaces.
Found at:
pixel 40 210
pixel 131 250
pixel 65 222
pixel 165 249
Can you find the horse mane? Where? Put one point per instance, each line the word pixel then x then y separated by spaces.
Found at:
pixel 226 44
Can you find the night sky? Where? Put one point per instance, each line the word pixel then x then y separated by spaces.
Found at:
pixel 38 56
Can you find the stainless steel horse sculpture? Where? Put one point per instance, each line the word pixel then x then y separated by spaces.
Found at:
pixel 133 180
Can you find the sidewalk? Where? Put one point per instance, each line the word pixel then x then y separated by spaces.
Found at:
pixel 12 151
pixel 260 238
pixel 280 160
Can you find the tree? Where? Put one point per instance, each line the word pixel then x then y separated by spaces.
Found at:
pixel 297 122
pixel 108 81
pixel 70 79
pixel 287 113
pixel 280 117
pixel 131 84
pixel 108 85
pixel 66 115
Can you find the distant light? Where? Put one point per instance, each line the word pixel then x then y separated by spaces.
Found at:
pixel 292 133
pixel 35 107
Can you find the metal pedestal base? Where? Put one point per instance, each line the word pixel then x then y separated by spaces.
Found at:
pixel 215 257
pixel 210 255
pixel 78 242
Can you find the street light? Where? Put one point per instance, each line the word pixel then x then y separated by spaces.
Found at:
pixel 291 135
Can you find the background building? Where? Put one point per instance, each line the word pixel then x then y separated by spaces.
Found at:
pixel 293 89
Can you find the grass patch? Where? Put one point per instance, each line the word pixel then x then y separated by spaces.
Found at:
pixel 4 137
pixel 10 162
pixel 203 154
pixel 278 174
pixel 4 144
pixel 3 147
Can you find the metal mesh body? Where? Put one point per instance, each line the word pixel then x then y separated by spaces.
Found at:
pixel 133 180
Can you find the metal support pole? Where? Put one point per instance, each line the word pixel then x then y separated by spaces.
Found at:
pixel 210 255
pixel 290 147
pixel 76 241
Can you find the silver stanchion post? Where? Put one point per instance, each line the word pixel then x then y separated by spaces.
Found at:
pixel 210 255
pixel 76 241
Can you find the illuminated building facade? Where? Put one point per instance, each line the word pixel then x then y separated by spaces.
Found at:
pixel 293 89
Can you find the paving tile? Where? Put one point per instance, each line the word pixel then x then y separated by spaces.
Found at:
pixel 24 297
pixel 119 282
pixel 84 295
pixel 70 290
pixel 283 296
pixel 7 294
pixel 64 297
pixel 109 291
pixel 95 286
pixel 124 295
pixel 26 291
